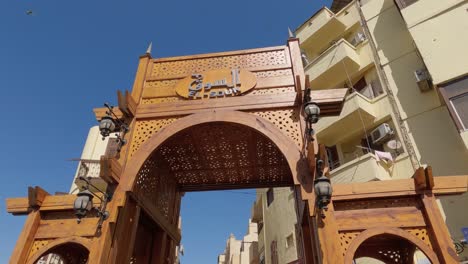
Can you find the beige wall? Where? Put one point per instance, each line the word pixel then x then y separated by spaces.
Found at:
pixel 240 251
pixel 431 129
pixel 279 219
pixel 93 149
pixel 440 31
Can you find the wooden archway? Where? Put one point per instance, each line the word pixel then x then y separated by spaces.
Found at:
pixel 297 163
pixel 82 242
pixel 361 238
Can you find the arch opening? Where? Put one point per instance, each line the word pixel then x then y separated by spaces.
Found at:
pixel 216 156
pixel 389 248
pixel 67 253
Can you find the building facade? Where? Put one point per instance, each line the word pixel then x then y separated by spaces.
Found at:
pixel 275 213
pixel 405 65
pixel 241 251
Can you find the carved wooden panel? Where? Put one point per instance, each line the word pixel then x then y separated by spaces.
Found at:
pixel 144 129
pixel 159 100
pixel 155 185
pixel 38 245
pixel 217 155
pixel 287 120
pixel 376 203
pixel 244 61
pixel 421 233
pixel 346 238
pixel 280 90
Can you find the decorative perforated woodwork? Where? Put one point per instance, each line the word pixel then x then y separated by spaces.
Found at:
pixel 145 128
pixel 218 156
pixel 287 120
pixel 346 238
pixel 70 253
pixel 158 188
pixel 39 244
pixel 421 233
pixel 183 67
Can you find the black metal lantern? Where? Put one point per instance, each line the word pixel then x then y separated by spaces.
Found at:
pixel 322 186
pixel 323 190
pixel 106 126
pixel 312 112
pixel 83 204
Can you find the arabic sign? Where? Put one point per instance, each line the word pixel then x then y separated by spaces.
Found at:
pixel 216 84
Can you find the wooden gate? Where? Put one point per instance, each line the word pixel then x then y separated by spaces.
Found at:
pixel 208 122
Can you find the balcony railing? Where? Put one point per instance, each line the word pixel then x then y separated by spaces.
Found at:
pixel 358 112
pixel 90 169
pixel 366 168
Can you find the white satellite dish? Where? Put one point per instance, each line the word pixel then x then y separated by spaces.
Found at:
pixel 394 144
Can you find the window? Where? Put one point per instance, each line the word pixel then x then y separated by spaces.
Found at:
pixel 290 241
pixel 333 159
pixel 270 196
pixel 460 107
pixel 455 94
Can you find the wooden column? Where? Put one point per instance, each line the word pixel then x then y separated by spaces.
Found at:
pixel 443 245
pixel 123 235
pixel 329 237
pixel 26 238
pixel 140 77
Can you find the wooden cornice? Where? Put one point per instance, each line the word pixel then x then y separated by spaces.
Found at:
pixel 329 101
pixel 19 206
pixel 443 185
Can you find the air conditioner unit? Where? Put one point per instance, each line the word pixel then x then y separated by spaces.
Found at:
pixel 358 38
pixel 423 79
pixel 381 133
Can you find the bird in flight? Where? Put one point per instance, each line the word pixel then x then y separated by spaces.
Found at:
pixel 29 12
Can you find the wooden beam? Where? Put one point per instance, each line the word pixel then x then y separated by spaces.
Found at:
pixel 419 179
pixel 126 103
pixel 332 252
pixel 429 178
pixel 443 244
pixel 142 72
pixel 101 112
pixel 36 196
pixel 443 185
pixel 369 218
pixel 329 101
pixel 18 206
pixel 26 238
pixel 60 228
pixel 110 170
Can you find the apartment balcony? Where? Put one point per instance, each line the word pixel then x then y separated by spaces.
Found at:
pixel 358 112
pixel 366 168
pixel 335 64
pixel 324 27
pixel 320 29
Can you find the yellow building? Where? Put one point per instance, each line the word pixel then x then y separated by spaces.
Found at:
pixel 406 65
pixel 275 213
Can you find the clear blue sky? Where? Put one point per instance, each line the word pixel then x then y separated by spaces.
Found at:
pixel 71 56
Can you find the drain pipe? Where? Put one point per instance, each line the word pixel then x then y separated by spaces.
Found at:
pixel 391 97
